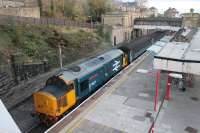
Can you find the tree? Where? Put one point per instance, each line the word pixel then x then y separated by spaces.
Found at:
pixel 99 7
pixel 68 8
pixel 79 9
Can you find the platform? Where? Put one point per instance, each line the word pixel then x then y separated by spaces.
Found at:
pixel 128 107
pixel 7 124
pixel 120 109
pixel 181 114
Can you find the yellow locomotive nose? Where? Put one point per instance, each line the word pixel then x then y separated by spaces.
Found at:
pixel 55 98
pixel 45 104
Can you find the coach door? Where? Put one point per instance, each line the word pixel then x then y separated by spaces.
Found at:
pixel 83 88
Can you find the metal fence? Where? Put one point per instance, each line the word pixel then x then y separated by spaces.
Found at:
pixel 27 71
pixel 15 74
pixel 5 20
pixel 177 22
pixel 20 72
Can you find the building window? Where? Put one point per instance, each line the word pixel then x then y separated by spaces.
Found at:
pixel 125 36
pixel 123 22
pixel 115 41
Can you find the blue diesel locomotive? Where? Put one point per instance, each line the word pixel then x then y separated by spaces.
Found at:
pixel 72 86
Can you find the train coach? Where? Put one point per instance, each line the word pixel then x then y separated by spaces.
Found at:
pixel 134 49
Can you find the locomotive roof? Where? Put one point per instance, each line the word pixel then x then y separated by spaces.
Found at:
pixel 90 65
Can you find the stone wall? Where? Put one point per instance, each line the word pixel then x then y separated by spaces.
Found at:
pixel 18 3
pixel 5 3
pixel 23 12
pixel 122 25
pixel 122 19
pixel 191 20
pixel 119 34
pixel 46 5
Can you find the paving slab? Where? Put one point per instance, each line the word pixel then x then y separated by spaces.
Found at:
pixel 130 108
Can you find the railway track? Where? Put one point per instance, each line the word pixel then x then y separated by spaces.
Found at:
pixel 81 106
pixel 28 123
pixel 22 111
pixel 21 107
pixel 22 114
pixel 105 89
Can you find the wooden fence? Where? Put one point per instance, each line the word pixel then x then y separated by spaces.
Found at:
pixel 5 20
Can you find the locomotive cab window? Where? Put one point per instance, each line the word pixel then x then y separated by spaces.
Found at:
pixel 59 83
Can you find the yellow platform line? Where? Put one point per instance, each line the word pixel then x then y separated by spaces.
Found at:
pixel 91 108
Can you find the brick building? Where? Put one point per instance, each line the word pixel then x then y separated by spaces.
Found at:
pixel 121 23
pixel 191 19
pixel 24 8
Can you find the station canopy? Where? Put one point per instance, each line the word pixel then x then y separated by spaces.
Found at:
pixel 180 57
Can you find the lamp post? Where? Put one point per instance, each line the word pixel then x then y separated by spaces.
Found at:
pixel 60 43
pixel 63 8
pixel 60 56
pixel 90 17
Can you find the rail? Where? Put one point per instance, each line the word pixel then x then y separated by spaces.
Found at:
pixel 70 116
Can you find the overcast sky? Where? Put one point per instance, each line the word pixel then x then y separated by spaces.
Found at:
pixel 181 5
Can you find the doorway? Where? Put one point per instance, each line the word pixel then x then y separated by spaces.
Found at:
pixel 115 41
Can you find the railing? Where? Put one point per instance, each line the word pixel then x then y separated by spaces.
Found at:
pixel 176 22
pixel 20 72
pixel 157 23
pixel 27 71
pixel 5 20
pixel 6 83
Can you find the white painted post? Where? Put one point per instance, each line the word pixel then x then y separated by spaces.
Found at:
pixel 60 56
